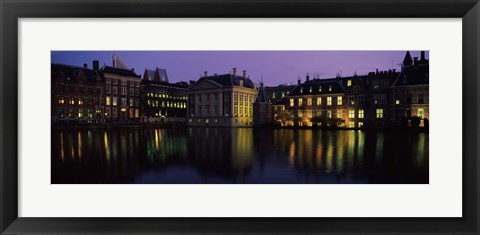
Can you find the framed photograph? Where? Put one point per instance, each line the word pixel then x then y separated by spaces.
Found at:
pixel 239 117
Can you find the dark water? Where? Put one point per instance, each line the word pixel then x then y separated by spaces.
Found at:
pixel 239 155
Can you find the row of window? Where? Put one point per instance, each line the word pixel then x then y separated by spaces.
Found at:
pixel 113 101
pixel 339 114
pixel 122 82
pixel 123 91
pixel 75 113
pixel 124 113
pixel 156 95
pixel 78 101
pixel 318 101
pixel 168 104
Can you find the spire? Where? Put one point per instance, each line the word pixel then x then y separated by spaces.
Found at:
pixel 262 93
pixel 407 61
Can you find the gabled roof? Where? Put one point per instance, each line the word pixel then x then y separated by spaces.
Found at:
pixel 119 71
pixel 161 75
pixel 413 75
pixel 149 74
pixel 408 59
pixel 262 95
pixel 227 80
pixel 69 72
pixel 318 87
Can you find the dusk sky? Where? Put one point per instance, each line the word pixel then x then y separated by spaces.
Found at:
pixel 276 67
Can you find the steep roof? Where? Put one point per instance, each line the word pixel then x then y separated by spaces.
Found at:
pixel 149 74
pixel 262 94
pixel 69 72
pixel 413 75
pixel 318 87
pixel 119 71
pixel 161 75
pixel 227 80
pixel 408 59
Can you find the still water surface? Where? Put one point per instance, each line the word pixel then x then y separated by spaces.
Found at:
pixel 237 155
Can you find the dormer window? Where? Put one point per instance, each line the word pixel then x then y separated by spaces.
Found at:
pixel 241 82
pixel 310 89
pixel 320 89
pixel 330 88
pixel 301 89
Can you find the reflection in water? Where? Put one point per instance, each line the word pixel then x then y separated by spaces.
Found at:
pixel 238 155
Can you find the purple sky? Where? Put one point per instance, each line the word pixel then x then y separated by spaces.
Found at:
pixel 276 67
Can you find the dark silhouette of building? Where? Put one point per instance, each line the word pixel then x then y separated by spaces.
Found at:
pixel 262 108
pixel 77 94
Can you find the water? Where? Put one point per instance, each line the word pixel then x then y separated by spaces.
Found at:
pixel 238 155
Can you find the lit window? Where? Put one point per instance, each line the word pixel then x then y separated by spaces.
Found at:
pixel 131 102
pixel 291 103
pixel 310 90
pixel 339 100
pixel 80 101
pixel 361 113
pixel 397 101
pixel 72 101
pixel 329 101
pixel 309 102
pixel 351 100
pixel 319 101
pixel 301 89
pixel 300 113
pixel 330 88
pixel 339 113
pixel 107 100
pixel 61 101
pixel 351 124
pixel 329 114
pixel 273 95
pixel 351 113
pixel 300 101
pixel 114 101
pixel 320 89
pixel 349 82
pixel 379 113
pixel 80 113
pixel 420 113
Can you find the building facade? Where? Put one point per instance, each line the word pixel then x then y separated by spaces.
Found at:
pixel 162 101
pixel 262 108
pixel 122 95
pixel 77 94
pixel 409 94
pixel 221 100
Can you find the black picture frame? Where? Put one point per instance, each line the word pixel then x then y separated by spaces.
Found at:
pixel 12 10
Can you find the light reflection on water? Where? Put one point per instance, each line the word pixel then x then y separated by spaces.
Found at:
pixel 239 155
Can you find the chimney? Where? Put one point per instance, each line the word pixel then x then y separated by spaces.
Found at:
pixel 133 70
pixel 205 73
pixel 308 77
pixel 376 72
pixel 422 56
pixel 95 65
pixel 299 81
pixel 394 70
pixel 235 72
pixel 415 60
pixel 85 65
pixel 245 73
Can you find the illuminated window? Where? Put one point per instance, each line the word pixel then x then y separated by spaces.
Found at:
pixel 349 82
pixel 339 113
pixel 351 100
pixel 361 113
pixel 420 113
pixel 131 102
pixel 107 100
pixel 339 100
pixel 114 101
pixel 80 113
pixel 61 101
pixel 379 113
pixel 351 113
pixel 283 94
pixel 329 114
pixel 291 103
pixel 309 102
pixel 273 95
pixel 330 88
pixel 351 124
pixel 72 101
pixel 300 113
pixel 301 89
pixel 80 101
pixel 319 101
pixel 397 101
pixel 329 101
pixel 320 89
pixel 360 124
pixel 310 89
pixel 300 102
